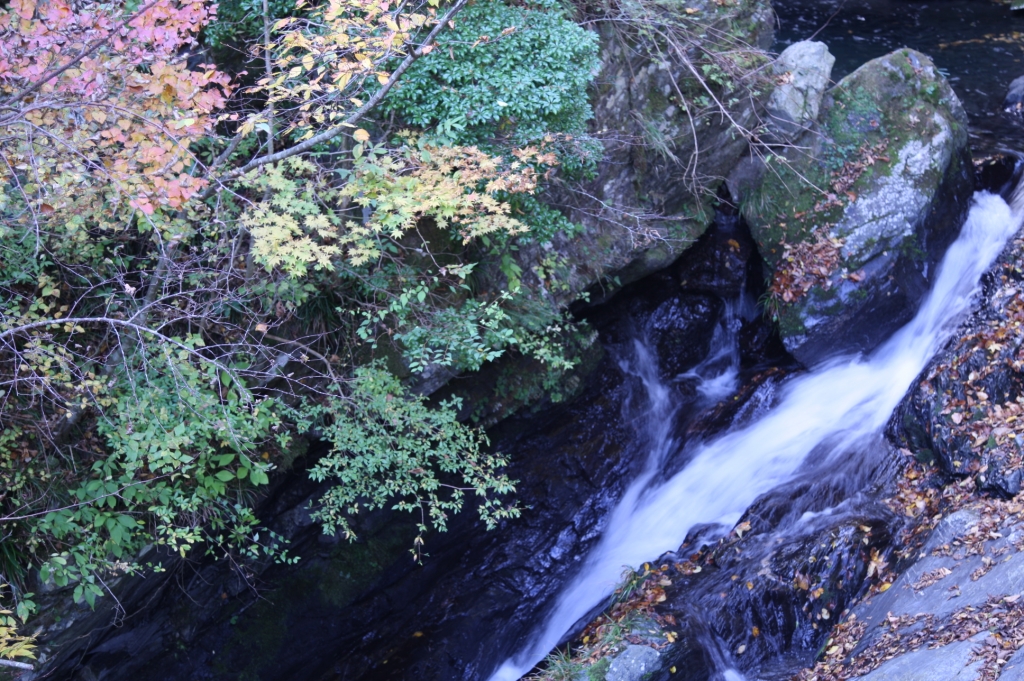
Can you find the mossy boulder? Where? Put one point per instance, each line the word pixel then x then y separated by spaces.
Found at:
pixel 854 218
pixel 667 144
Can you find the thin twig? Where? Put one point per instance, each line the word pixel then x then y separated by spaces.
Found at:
pixel 331 133
pixel 96 44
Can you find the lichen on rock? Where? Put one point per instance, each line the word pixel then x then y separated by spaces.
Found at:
pixel 886 176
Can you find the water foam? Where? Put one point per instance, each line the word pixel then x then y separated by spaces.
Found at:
pixel 825 412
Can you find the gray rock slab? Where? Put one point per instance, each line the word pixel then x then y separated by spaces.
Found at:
pixel 793 107
pixel 957 590
pixel 634 663
pixel 1014 669
pixel 948 663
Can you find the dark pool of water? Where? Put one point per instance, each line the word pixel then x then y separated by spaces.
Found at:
pixel 979 44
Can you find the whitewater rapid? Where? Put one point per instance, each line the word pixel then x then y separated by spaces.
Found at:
pixel 826 411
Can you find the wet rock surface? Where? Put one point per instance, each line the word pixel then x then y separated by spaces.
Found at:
pixel 772 586
pixel 963 413
pixel 671 328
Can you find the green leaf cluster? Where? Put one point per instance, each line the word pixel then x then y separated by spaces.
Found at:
pixel 511 71
pixel 390 447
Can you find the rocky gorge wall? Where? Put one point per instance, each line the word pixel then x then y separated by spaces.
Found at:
pixel 358 609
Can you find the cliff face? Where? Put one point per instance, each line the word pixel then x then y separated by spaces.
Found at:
pixel 678 99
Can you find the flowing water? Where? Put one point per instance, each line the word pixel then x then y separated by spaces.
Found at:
pixel 821 421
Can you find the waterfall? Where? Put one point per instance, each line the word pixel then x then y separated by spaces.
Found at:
pixel 819 420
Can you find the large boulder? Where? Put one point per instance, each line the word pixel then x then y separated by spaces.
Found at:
pixel 853 217
pixel 667 146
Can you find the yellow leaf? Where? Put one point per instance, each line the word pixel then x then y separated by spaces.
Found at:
pixel 307 62
pixel 361 135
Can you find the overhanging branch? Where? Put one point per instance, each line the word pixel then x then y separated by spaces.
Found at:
pixel 331 133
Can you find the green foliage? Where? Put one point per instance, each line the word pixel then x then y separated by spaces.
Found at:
pixel 13 645
pixel 240 22
pixel 508 71
pixel 543 221
pixel 181 453
pixel 460 337
pixel 157 315
pixel 290 229
pixel 560 665
pixel 391 446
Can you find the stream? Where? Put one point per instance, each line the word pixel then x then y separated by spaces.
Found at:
pixel 824 427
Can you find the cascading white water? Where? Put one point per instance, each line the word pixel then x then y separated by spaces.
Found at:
pixel 826 411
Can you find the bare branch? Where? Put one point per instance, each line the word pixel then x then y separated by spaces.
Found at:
pixel 369 105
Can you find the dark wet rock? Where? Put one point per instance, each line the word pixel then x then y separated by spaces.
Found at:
pixel 753 398
pixel 722 261
pixel 760 343
pixel 961 412
pixel 681 329
pixel 774 585
pixel 890 183
pixel 995 173
pixel 1013 103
